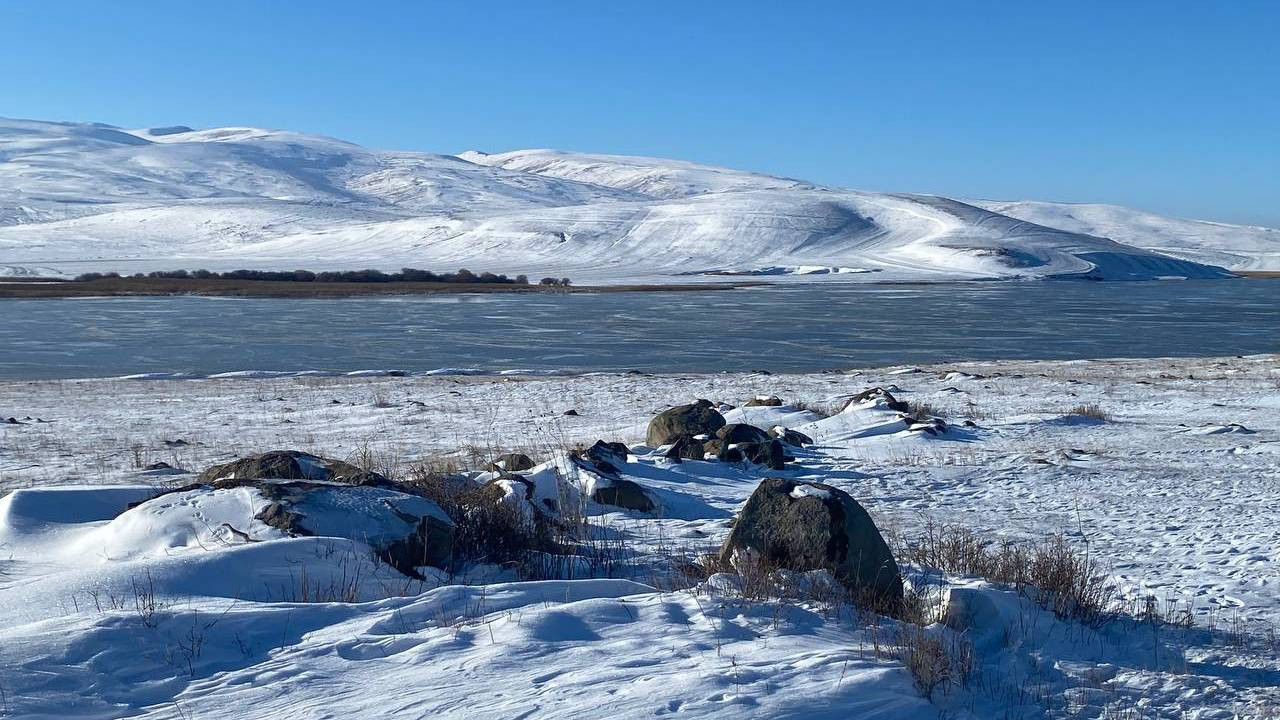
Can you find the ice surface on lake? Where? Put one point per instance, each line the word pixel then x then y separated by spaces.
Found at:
pixel 792 328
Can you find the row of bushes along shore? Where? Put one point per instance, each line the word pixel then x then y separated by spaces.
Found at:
pixel 462 276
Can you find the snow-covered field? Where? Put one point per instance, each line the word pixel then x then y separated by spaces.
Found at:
pixel 91 197
pixel 1167 471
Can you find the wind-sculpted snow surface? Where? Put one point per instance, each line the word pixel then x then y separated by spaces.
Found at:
pixel 188 605
pixel 76 197
pixel 1239 247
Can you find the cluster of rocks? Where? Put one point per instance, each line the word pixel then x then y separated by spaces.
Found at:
pixel 786 524
pixel 698 431
pixel 24 421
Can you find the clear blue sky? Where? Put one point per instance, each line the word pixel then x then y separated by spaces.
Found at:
pixel 1170 106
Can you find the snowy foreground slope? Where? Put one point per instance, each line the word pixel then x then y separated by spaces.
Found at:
pixel 78 197
pixel 162 612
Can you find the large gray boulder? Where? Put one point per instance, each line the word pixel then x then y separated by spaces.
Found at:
pixel 810 526
pixel 622 493
pixel 292 465
pixel 699 418
pixel 742 433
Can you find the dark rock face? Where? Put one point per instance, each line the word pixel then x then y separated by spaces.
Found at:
pixel 292 465
pixel 624 494
pixel 770 454
pixel 932 425
pixel 603 462
pixel 607 456
pixel 686 448
pixel 513 462
pixel 698 418
pixel 726 452
pixel 770 401
pixel 791 437
pixel 742 433
pixel 809 526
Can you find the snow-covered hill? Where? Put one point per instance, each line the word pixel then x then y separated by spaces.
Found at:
pixel 1239 247
pixel 79 197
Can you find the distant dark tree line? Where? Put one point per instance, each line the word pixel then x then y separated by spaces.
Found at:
pixel 339 276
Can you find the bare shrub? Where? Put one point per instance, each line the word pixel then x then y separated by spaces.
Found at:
pixel 934 658
pixel 1059 576
pixel 380 399
pixel 384 462
pixel 145 603
pixel 1090 410
pixel 485 529
pixel 922 411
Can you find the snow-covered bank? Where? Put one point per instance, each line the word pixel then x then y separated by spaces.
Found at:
pixel 1167 469
pixel 87 197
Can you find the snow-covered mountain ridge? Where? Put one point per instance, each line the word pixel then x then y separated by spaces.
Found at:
pixel 80 197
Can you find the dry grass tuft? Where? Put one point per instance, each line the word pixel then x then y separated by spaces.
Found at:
pixel 1090 410
pixel 1061 577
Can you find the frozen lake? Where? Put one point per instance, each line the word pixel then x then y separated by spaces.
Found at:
pixel 800 328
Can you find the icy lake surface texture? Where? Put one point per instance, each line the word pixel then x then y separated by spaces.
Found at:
pixel 792 328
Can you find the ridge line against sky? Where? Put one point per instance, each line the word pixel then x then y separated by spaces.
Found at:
pixel 1171 107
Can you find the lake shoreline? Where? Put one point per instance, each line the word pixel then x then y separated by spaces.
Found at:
pixel 54 288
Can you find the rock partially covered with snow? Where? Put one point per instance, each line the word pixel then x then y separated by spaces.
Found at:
pixel 405 531
pixel 607 456
pixel 790 437
pixel 805 526
pixel 292 465
pixel 879 396
pixel 598 472
pixel 699 418
pixel 764 401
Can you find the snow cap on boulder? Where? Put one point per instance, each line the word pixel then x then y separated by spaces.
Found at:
pixel 877 394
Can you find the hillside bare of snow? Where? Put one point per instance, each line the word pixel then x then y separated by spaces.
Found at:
pixel 81 197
